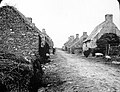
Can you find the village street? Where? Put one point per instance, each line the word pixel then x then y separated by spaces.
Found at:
pixel 72 73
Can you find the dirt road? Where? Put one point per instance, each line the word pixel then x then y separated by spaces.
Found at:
pixel 69 73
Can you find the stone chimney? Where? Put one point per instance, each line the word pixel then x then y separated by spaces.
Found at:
pixel 43 31
pixel 29 19
pixel 71 37
pixel 77 35
pixel 109 17
pixel 84 33
pixel 84 36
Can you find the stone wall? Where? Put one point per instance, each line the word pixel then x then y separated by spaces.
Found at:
pixel 17 34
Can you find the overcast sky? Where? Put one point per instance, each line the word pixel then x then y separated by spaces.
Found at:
pixel 62 18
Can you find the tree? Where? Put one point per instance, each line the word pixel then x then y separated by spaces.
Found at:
pixel 106 40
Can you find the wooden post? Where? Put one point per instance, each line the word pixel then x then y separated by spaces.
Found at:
pixel 108 48
pixel 106 52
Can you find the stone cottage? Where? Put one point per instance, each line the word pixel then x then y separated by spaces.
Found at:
pixel 76 47
pixel 47 38
pixel 46 43
pixel 105 27
pixel 72 44
pixel 18 35
pixel 66 45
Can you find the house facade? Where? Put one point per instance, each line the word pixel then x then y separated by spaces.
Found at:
pixel 18 35
pixel 46 40
pixel 67 44
pixel 71 45
pixel 105 27
pixel 77 46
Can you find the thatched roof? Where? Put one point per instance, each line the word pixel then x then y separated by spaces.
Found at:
pixel 73 42
pixel 79 42
pixel 95 32
pixel 105 27
pixel 71 38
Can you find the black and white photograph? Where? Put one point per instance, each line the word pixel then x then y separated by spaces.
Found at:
pixel 59 46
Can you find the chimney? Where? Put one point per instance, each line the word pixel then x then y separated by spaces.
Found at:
pixel 84 33
pixel 84 36
pixel 109 17
pixel 43 31
pixel 29 19
pixel 71 37
pixel 77 35
pixel 68 38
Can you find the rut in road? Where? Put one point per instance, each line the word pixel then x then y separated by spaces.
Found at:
pixel 84 75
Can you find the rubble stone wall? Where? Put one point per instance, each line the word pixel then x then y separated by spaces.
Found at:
pixel 17 36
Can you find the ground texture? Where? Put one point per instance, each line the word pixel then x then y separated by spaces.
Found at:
pixel 72 73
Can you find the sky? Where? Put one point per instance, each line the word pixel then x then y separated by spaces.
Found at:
pixel 62 18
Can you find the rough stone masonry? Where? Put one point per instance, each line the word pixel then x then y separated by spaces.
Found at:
pixel 17 34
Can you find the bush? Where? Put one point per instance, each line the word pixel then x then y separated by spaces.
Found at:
pixel 17 75
pixel 106 40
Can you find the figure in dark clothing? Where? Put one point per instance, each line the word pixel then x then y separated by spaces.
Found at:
pixel 43 51
pixel 54 50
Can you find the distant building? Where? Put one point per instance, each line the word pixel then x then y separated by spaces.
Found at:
pixel 46 38
pixel 105 27
pixel 72 43
pixel 66 45
pixel 76 47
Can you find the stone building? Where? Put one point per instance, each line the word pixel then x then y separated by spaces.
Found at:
pixel 72 43
pixel 76 47
pixel 46 40
pixel 105 27
pixel 18 35
pixel 66 45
